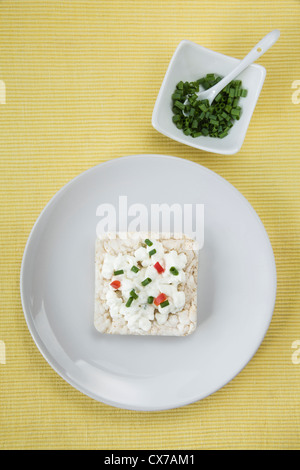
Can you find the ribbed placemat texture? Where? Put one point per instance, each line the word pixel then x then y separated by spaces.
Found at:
pixel 81 81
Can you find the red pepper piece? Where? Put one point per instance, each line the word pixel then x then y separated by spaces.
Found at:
pixel 159 268
pixel 116 284
pixel 159 299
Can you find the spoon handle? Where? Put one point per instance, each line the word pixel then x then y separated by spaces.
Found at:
pixel 261 47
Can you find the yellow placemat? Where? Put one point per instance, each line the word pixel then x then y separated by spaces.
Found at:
pixel 81 80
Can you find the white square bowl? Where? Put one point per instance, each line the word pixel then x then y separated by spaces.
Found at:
pixel 189 63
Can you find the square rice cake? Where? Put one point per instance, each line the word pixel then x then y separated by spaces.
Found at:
pixel 145 284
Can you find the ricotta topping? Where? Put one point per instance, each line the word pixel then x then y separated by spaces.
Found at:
pixel 132 298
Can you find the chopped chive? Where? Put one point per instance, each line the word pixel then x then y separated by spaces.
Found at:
pixel 174 271
pixel 203 107
pixel 225 116
pixel 133 294
pixel 223 134
pixel 235 112
pixel 116 273
pixel 129 301
pixel 150 299
pixel 165 304
pixel 179 105
pixel 146 281
pixel 152 252
pixel 135 269
pixel 148 242
pixel 176 96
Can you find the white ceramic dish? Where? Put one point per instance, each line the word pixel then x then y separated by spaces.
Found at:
pixel 236 291
pixel 189 63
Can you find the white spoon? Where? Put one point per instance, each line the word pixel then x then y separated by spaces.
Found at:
pixel 253 55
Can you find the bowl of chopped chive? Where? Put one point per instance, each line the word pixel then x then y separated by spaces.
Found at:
pixel 219 127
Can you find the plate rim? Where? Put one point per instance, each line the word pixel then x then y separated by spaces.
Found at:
pixel 44 350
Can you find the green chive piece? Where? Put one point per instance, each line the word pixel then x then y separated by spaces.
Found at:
pixel 165 304
pixel 150 299
pixel 176 96
pixel 152 252
pixel 129 301
pixel 148 242
pixel 116 273
pixel 235 111
pixel 179 105
pixel 196 134
pixel 203 108
pixel 223 134
pixel 174 271
pixel 146 281
pixel 135 269
pixel 133 294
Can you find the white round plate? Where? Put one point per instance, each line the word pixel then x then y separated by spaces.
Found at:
pixel 236 287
